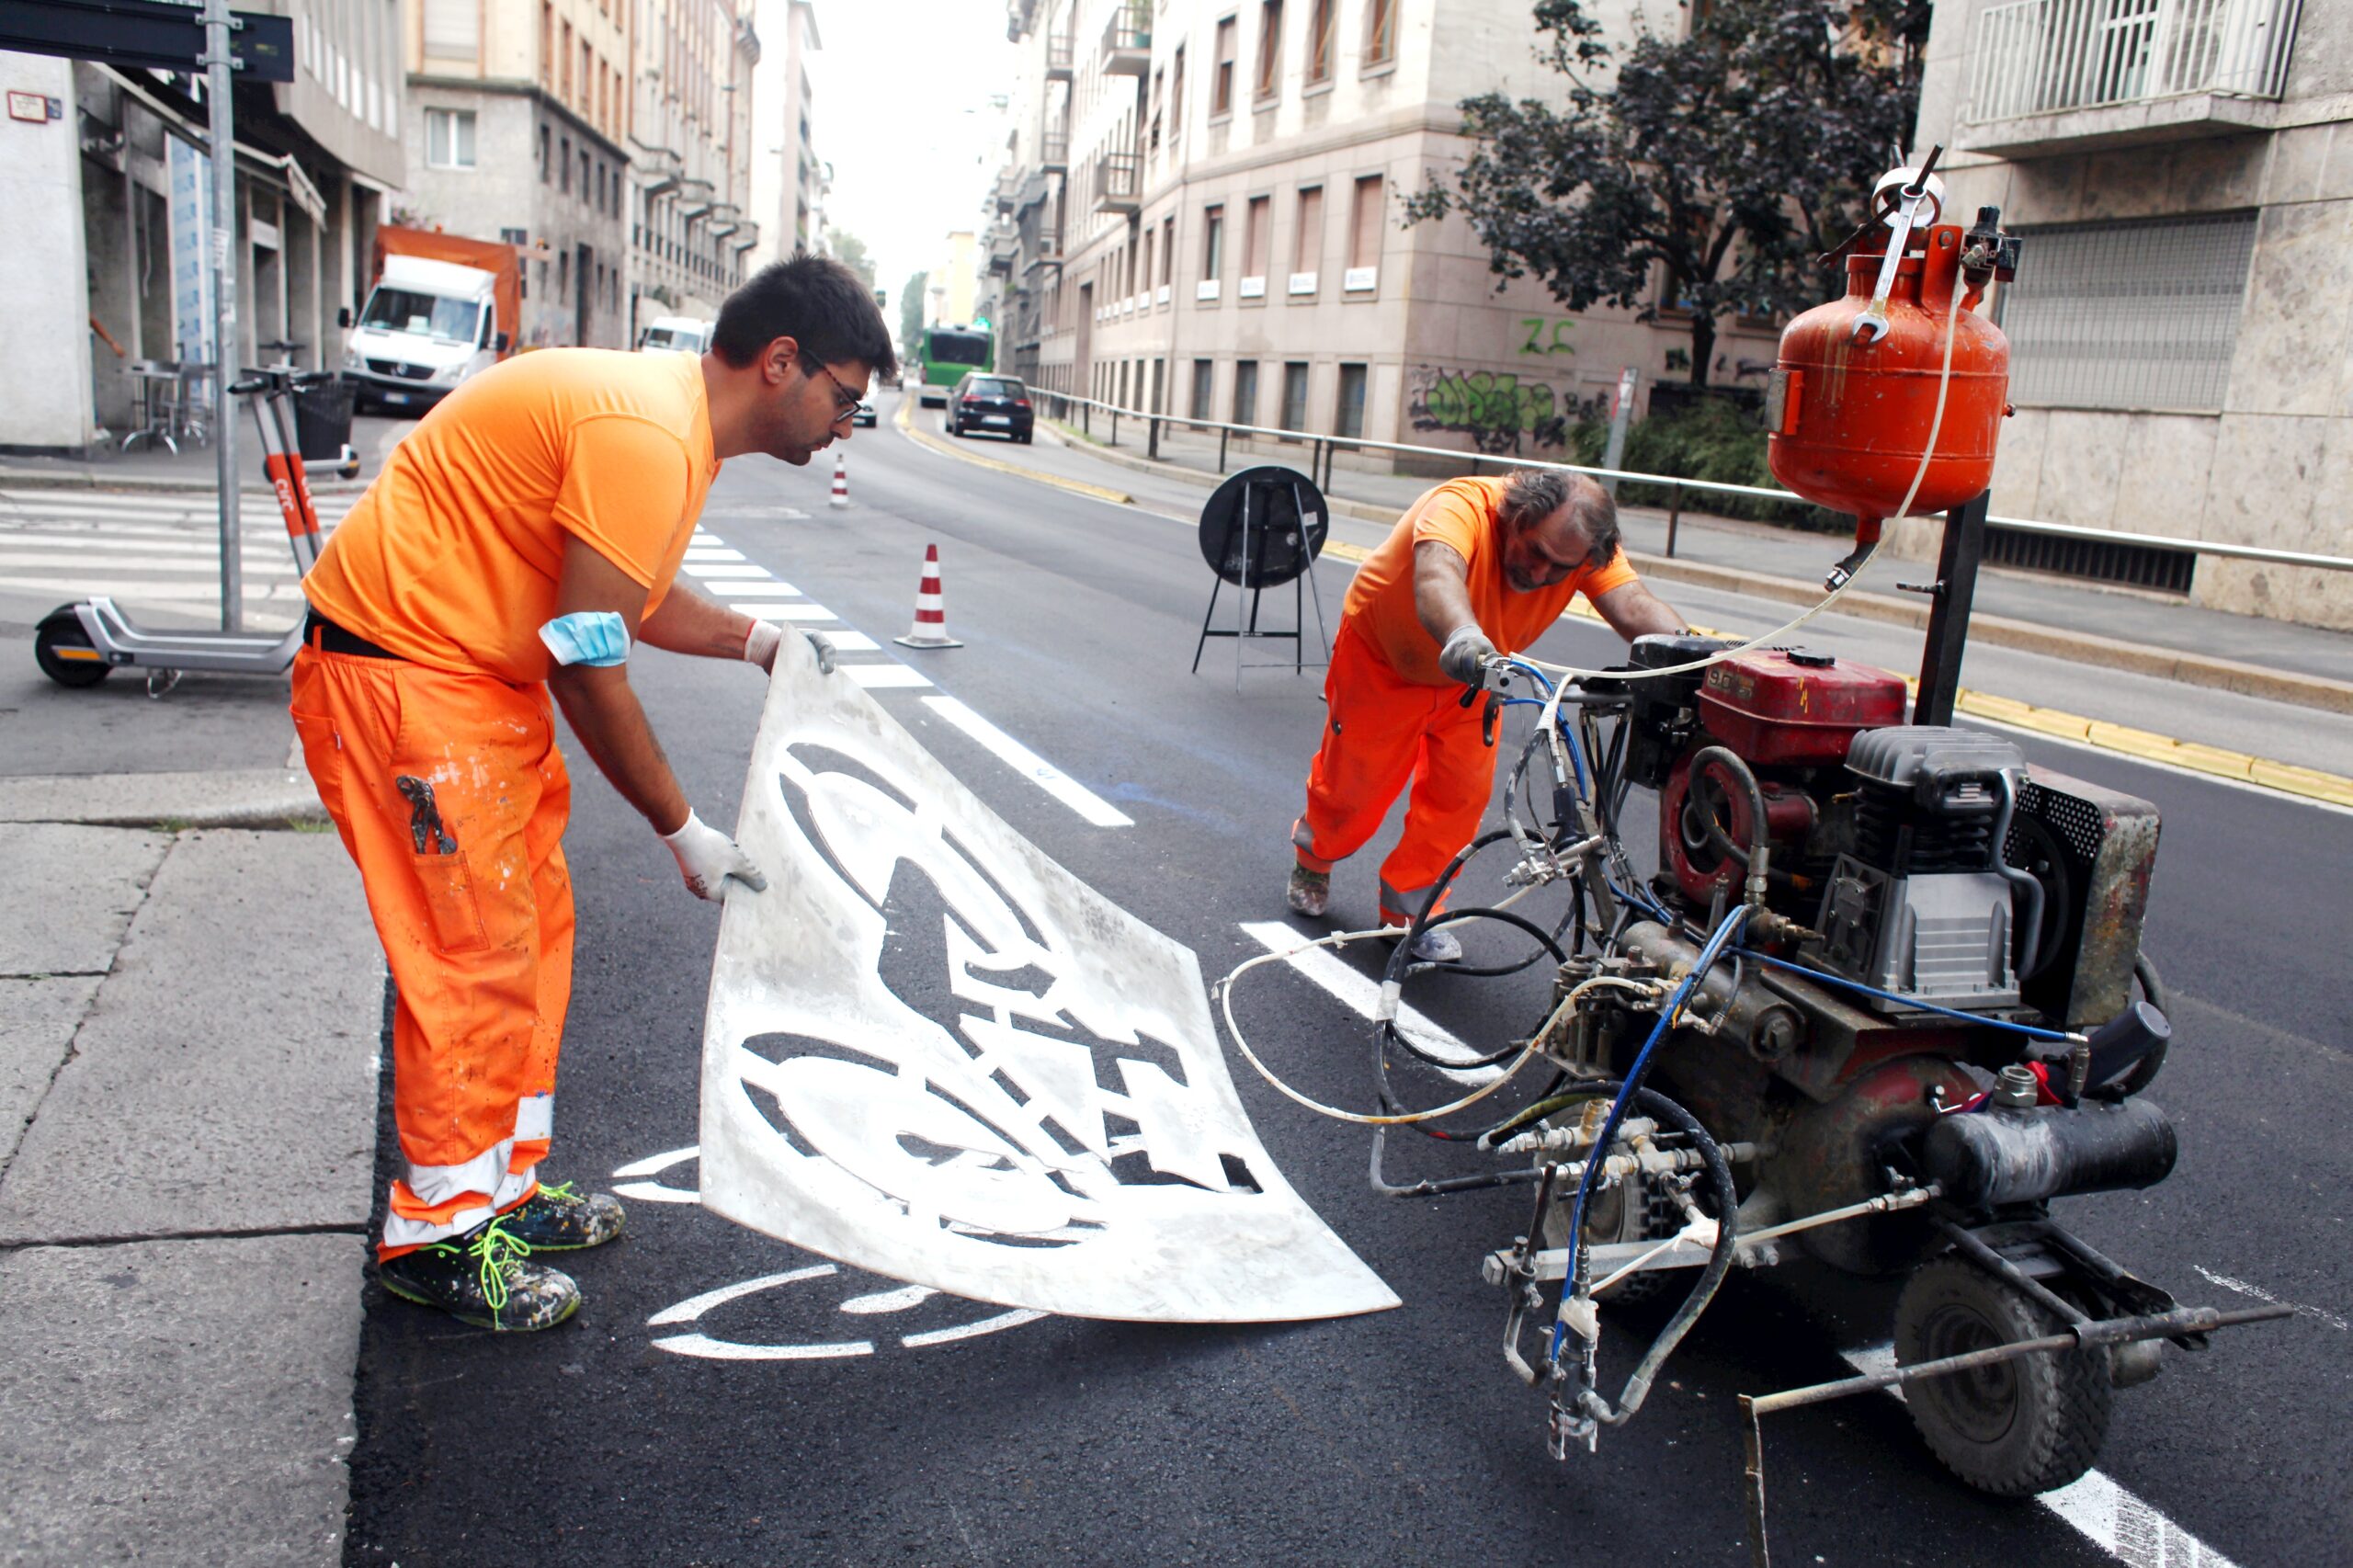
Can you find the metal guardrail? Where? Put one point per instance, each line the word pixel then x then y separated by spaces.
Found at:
pixel 1324 447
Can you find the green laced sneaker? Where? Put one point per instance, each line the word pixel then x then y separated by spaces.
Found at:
pixel 484 1278
pixel 557 1219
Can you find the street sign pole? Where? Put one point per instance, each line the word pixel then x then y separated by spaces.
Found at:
pixel 223 251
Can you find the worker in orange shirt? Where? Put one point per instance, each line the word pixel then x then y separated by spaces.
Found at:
pixel 523 541
pixel 1474 568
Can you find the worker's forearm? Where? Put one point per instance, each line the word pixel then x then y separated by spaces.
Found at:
pixel 604 712
pixel 1441 598
pixel 686 623
pixel 1633 610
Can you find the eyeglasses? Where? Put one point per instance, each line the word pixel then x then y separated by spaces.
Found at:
pixel 846 402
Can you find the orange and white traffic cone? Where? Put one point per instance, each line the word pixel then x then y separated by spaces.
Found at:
pixel 841 479
pixel 931 613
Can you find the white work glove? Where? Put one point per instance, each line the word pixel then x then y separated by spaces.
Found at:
pixel 761 642
pixel 707 857
pixel 1464 652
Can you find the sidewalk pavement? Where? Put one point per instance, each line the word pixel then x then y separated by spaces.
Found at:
pixel 1708 548
pixel 189 1024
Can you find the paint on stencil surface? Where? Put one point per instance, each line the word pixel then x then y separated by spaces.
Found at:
pixel 932 1053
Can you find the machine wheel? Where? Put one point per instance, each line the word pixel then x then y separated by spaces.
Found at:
pixel 1635 1211
pixel 2012 1429
pixel 62 630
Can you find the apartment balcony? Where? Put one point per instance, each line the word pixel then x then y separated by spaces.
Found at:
pixel 1047 251
pixel 1058 54
pixel 1006 192
pixel 2052 76
pixel 1032 193
pixel 1004 246
pixel 1127 41
pixel 1119 184
pixel 1053 152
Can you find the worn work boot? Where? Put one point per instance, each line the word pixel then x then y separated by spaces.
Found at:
pixel 557 1219
pixel 484 1278
pixel 1310 893
pixel 1435 945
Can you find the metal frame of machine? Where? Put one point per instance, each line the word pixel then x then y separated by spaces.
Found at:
pixel 1883 1001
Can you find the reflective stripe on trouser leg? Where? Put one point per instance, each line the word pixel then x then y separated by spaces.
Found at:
pixel 466 937
pixel 1372 735
pixel 1454 779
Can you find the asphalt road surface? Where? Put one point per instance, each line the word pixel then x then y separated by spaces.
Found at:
pixel 825 1416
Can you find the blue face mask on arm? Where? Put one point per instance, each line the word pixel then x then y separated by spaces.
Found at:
pixel 592 637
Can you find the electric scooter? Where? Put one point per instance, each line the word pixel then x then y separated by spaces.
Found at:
pixel 79 644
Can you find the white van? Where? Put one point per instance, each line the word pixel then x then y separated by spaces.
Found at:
pixel 427 327
pixel 681 335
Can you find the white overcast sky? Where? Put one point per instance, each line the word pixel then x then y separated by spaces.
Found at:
pixel 902 113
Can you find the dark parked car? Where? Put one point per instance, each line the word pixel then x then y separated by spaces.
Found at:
pixel 998 404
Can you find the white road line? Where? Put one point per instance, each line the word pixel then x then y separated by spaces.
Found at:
pixel 877 678
pixel 896 1300
pixel 971 1330
pixel 847 642
pixel 724 1350
pixel 801 611
pixel 777 588
pixel 1362 994
pixel 719 569
pixel 2102 1512
pixel 2261 1294
pixel 712 552
pixel 1029 765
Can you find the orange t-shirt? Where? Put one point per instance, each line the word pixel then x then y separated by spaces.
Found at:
pixel 452 558
pixel 1460 513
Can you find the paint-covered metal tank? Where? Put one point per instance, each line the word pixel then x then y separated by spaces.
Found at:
pixel 1848 417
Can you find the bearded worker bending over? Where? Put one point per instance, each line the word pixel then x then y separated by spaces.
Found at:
pixel 1474 568
pixel 522 542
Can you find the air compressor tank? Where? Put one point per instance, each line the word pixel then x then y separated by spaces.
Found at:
pixel 1847 419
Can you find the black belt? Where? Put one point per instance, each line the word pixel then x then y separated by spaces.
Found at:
pixel 320 632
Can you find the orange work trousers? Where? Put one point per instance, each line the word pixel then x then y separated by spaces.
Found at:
pixel 476 924
pixel 1382 731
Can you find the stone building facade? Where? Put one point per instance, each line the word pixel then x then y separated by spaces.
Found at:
pixel 108 197
pixel 693 227
pixel 1204 219
pixel 788 177
pixel 2182 325
pixel 516 118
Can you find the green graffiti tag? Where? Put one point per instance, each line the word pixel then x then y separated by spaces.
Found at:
pixel 1495 411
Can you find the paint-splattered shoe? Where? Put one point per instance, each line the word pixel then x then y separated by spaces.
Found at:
pixel 557 1219
pixel 485 1277
pixel 1308 893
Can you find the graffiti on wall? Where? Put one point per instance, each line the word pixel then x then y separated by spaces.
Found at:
pixel 1500 412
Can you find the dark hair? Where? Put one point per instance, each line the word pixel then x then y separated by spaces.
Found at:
pixel 816 301
pixel 1532 495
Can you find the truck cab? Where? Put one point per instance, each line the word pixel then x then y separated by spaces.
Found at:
pixel 680 334
pixel 427 327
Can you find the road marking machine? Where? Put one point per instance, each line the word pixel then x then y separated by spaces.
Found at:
pixel 1882 1003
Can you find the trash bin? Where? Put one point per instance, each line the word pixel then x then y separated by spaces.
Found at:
pixel 322 420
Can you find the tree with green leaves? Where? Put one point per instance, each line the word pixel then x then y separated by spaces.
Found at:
pixel 1728 159
pixel 850 251
pixel 911 310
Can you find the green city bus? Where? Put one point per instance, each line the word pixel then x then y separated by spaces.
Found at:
pixel 947 352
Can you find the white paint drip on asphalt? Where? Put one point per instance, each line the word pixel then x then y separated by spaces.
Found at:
pixel 1029 765
pixel 1003 1321
pixel 2261 1294
pixel 2103 1513
pixel 1362 994
pixel 880 677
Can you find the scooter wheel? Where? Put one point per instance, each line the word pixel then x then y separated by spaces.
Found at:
pixel 62 650
pixel 2013 1428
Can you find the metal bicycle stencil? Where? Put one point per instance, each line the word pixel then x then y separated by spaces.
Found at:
pixel 932 1052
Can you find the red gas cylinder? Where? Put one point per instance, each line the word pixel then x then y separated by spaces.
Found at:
pixel 1848 418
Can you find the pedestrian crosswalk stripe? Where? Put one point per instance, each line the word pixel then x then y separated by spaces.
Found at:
pixel 874 677
pixel 803 610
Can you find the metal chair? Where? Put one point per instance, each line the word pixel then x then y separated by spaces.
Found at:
pixel 154 391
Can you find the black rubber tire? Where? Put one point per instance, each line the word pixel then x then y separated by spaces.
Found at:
pixel 955 429
pixel 1659 1218
pixel 1023 437
pixel 62 629
pixel 2013 1429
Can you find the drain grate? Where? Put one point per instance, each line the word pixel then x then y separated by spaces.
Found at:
pixel 2127 565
